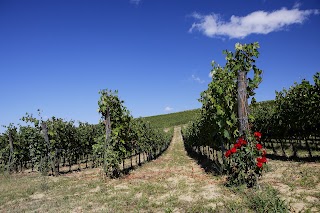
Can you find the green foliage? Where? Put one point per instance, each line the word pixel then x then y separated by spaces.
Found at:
pixel 266 200
pixel 116 145
pixel 127 136
pixel 218 117
pixel 245 163
pixel 172 119
pixel 218 124
pixel 9 155
pixel 65 140
pixel 294 113
pixel 45 143
pixel 298 108
pixel 263 113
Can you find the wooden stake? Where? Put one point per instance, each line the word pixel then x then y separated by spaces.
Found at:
pixel 242 103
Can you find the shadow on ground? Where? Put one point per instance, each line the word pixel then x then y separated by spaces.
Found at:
pixel 210 166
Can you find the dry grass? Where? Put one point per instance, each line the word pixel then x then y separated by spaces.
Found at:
pixel 171 183
pixel 298 183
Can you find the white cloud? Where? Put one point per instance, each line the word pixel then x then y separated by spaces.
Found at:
pixel 297 5
pixel 136 2
pixel 258 22
pixel 168 109
pixel 197 79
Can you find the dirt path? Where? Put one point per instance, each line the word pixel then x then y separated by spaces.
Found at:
pixel 173 164
pixel 172 183
pixel 180 179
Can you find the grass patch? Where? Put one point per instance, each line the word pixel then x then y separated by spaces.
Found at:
pixel 171 183
pixel 172 119
pixel 301 175
pixel 266 200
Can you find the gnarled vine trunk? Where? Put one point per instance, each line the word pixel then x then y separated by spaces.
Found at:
pixel 242 103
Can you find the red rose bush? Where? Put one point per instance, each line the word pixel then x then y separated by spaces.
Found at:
pixel 246 161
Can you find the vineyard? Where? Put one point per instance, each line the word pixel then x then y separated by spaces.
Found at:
pixel 230 138
pixel 228 156
pixel 172 119
pixel 56 146
pixel 291 122
pixel 290 126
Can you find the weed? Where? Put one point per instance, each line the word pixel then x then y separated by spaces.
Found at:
pixel 266 200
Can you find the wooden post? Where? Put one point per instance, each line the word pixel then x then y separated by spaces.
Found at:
pixel 108 125
pixel 222 153
pixel 58 164
pixel 108 133
pixel 11 156
pixel 69 160
pixel 87 159
pixel 132 155
pixel 308 147
pixel 46 138
pixel 242 103
pixel 139 158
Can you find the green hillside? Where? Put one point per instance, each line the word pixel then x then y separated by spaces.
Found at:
pixel 172 119
pixel 181 118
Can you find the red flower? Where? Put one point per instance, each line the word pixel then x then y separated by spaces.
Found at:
pixel 259 146
pixel 237 145
pixel 242 141
pixel 264 153
pixel 259 164
pixel 257 135
pixel 228 153
pixel 262 160
pixel 233 150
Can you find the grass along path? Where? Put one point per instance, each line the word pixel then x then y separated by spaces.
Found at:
pixel 179 183
pixel 172 183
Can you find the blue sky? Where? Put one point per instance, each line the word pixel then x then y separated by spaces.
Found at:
pixel 56 55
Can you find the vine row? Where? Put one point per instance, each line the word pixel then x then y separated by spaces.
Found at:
pixel 54 146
